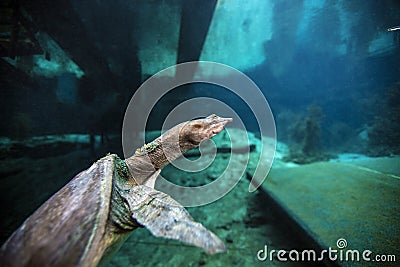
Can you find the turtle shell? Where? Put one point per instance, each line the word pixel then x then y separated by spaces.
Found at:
pixel 67 230
pixel 87 220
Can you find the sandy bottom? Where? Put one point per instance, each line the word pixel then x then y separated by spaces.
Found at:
pixel 246 222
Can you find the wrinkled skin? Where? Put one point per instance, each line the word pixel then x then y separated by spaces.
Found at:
pixel 172 144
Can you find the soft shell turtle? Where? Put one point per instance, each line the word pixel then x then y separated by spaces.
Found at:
pixel 91 216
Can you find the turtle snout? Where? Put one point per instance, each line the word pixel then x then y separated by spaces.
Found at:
pixel 218 125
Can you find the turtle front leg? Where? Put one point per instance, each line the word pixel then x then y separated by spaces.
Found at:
pixel 165 217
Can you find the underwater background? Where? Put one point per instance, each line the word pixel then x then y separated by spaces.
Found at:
pixel 330 71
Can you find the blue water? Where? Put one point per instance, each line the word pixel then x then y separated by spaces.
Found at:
pixel 330 71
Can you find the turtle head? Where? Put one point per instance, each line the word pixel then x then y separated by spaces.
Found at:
pixel 172 144
pixel 198 130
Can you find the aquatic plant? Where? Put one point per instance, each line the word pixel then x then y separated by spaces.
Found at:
pixel 384 132
pixel 306 143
